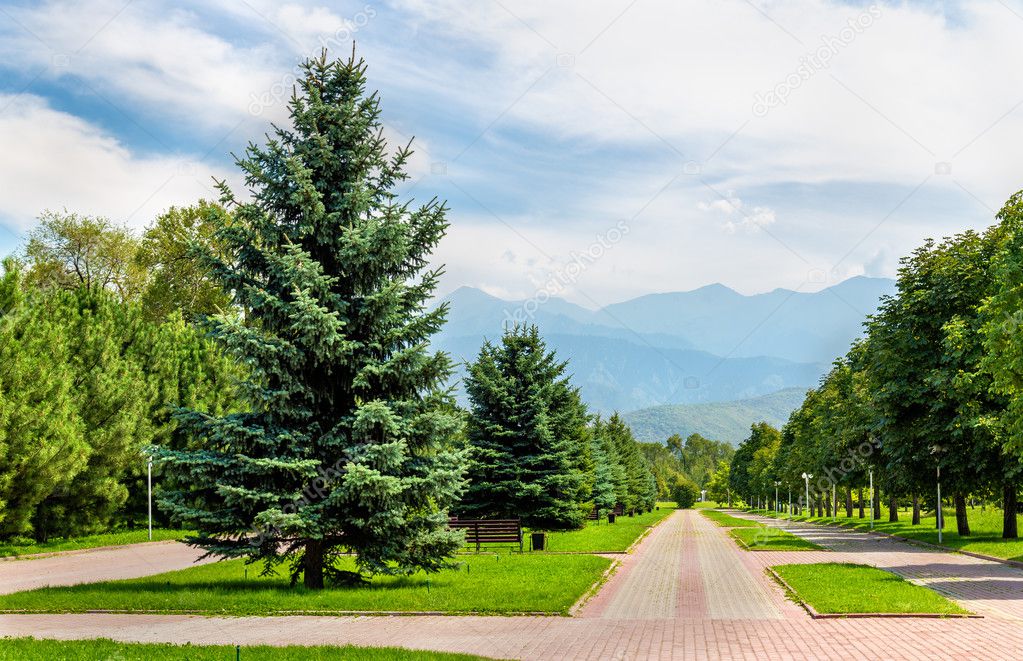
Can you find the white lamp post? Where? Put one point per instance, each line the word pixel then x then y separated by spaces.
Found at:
pixel 149 479
pixel 936 450
pixel 806 479
pixel 871 498
pixel 776 485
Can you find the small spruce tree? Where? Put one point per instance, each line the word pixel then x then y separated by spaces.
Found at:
pixel 524 459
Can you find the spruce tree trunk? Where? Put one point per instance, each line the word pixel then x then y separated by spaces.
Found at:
pixel 893 508
pixel 848 502
pixel 861 502
pixel 877 504
pixel 916 510
pixel 962 522
pixel 312 575
pixel 1009 512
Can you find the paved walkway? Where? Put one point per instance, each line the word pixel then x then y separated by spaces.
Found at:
pixel 98 565
pixel 686 592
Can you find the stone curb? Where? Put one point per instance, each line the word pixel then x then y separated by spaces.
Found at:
pixel 339 613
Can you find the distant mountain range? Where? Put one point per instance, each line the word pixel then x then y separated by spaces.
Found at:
pixel 721 421
pixel 709 345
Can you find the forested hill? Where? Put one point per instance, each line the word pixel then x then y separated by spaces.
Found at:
pixel 723 421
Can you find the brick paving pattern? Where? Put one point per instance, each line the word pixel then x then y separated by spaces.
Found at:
pixel 733 592
pixel 769 629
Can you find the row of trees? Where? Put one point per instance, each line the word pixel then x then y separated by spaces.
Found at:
pixel 937 382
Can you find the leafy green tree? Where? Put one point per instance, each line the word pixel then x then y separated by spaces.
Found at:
pixel 170 253
pixel 1002 334
pixel 684 491
pixel 718 487
pixel 745 471
pixel 68 251
pixel 523 443
pixel 700 456
pixel 664 464
pixel 933 399
pixel 346 443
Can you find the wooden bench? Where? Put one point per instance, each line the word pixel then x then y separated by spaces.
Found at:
pixel 619 510
pixel 489 531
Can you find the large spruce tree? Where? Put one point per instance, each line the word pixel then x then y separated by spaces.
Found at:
pixel 523 454
pixel 346 443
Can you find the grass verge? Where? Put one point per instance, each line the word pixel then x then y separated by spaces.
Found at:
pixel 31 649
pixel 842 588
pixel 727 520
pixel 509 583
pixel 604 537
pixel 92 541
pixel 985 526
pixel 765 538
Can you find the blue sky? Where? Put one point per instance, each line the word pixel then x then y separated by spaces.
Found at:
pixel 641 133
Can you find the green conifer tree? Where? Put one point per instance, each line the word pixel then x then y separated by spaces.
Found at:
pixel 41 439
pixel 523 455
pixel 347 446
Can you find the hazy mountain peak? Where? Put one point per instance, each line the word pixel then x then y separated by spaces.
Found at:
pixel 708 344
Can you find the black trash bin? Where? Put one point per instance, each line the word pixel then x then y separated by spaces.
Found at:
pixel 538 541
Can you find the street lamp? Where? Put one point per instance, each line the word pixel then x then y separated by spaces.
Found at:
pixel 790 502
pixel 777 483
pixel 149 480
pixel 806 479
pixel 936 450
pixel 871 498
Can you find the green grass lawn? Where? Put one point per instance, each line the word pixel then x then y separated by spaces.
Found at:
pixel 604 537
pixel 487 583
pixel 765 538
pixel 92 541
pixel 705 505
pixel 29 649
pixel 985 525
pixel 727 520
pixel 847 588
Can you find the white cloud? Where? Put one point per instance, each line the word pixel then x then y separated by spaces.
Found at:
pixel 738 215
pixel 55 160
pixel 556 91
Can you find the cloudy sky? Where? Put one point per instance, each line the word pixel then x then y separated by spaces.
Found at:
pixel 598 150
